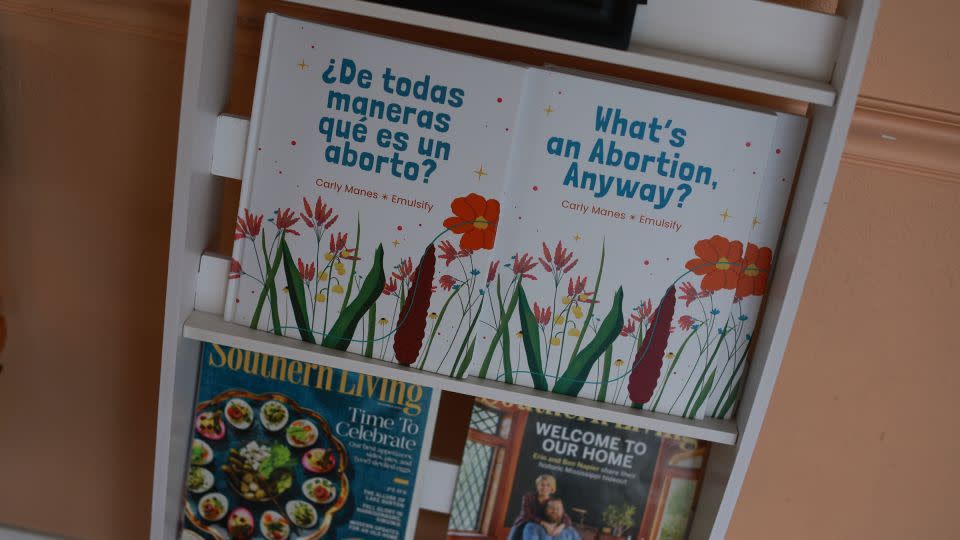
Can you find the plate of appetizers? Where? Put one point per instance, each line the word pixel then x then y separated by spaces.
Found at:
pixel 262 466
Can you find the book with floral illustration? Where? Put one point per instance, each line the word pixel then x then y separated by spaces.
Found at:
pixel 472 217
pixel 284 449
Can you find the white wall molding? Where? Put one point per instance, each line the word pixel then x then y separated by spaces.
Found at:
pixel 906 138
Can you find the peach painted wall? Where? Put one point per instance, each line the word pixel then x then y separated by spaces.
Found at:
pixel 858 441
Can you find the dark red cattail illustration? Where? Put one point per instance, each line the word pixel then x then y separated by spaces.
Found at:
pixel 649 359
pixel 413 315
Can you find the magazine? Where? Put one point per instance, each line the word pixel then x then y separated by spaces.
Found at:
pixel 472 217
pixel 288 449
pixel 531 474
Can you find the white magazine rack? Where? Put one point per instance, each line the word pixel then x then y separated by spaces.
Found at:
pixel 743 44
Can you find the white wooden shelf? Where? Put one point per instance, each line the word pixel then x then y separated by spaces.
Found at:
pixel 637 56
pixel 211 327
pixel 759 51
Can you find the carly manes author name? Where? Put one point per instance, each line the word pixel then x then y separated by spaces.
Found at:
pixel 643 219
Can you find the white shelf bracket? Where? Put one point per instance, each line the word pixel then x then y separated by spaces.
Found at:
pixel 212 284
pixel 443 482
pixel 230 146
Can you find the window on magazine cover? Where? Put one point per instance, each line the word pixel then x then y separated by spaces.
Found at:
pixel 485 420
pixel 482 456
pixel 676 512
pixel 472 484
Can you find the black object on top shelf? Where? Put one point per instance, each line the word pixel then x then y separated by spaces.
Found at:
pixel 599 22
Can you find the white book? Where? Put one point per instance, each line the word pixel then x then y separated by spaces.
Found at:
pixel 431 156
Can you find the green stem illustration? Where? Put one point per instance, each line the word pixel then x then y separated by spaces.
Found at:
pixel 500 335
pixel 466 338
pixel 676 358
pixel 353 268
pixel 371 330
pixel 436 326
pixel 607 360
pixel 596 290
pixel 703 374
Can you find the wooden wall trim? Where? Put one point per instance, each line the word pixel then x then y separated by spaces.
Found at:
pixel 896 136
pixel 164 20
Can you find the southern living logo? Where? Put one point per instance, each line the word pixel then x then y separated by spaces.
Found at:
pixel 398 393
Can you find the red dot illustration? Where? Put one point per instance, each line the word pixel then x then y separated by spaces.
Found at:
pixel 748 144
pixel 293 143
pixel 646 262
pixel 535 188
pixel 778 150
pixel 399 227
pixel 499 100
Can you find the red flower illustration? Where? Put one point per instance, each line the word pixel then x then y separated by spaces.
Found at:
pixel 248 226
pixel 629 328
pixel 447 282
pixel 523 264
pixel 719 263
pixel 643 311
pixel 235 269
pixel 690 293
pixel 574 289
pixel 449 253
pixel 404 269
pixel 318 218
pixel 390 287
pixel 307 271
pixel 286 220
pixel 756 268
pixel 339 245
pixel 686 322
pixel 492 271
pixel 541 315
pixel 475 218
pixel 559 260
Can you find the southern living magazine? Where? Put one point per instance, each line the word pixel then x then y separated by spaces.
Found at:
pixel 535 474
pixel 472 217
pixel 287 449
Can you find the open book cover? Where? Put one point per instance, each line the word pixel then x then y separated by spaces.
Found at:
pixel 530 473
pixel 286 449
pixel 471 217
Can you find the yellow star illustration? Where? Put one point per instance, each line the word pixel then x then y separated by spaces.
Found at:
pixel 396 242
pixel 756 221
pixel 577 237
pixel 303 65
pixel 548 110
pixel 480 172
pixel 725 215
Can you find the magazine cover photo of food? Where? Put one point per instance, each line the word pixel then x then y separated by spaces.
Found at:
pixel 538 475
pixel 284 449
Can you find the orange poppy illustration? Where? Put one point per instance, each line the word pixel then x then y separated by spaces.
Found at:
pixel 475 219
pixel 756 268
pixel 719 262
